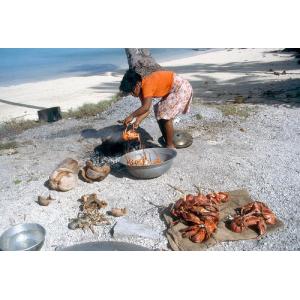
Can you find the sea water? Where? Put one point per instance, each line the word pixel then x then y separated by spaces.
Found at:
pixel 19 65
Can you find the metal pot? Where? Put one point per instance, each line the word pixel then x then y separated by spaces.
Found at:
pixel 147 172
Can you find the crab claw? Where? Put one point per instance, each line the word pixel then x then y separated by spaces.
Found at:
pixel 200 236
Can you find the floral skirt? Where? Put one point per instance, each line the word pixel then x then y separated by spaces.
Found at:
pixel 178 101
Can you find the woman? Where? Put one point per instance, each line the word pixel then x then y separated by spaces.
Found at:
pixel 175 93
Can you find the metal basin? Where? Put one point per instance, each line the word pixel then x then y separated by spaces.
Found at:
pixel 105 246
pixel 147 172
pixel 26 237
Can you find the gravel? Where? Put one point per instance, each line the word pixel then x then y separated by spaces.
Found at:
pixel 260 152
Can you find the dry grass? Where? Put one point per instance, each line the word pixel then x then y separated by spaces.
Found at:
pixel 8 145
pixel 90 109
pixel 14 127
pixel 235 110
pixel 17 181
pixel 199 117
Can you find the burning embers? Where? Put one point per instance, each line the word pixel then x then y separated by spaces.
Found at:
pixel 120 142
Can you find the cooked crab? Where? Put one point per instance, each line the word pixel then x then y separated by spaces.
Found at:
pixel 143 161
pixel 256 215
pixel 130 135
pixel 201 213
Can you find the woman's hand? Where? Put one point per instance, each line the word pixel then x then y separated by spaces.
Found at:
pixel 127 120
pixel 137 123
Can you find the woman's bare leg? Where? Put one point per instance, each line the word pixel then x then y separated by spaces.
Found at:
pixel 167 130
pixel 162 128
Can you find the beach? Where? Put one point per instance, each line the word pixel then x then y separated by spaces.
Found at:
pixel 229 68
pixel 244 121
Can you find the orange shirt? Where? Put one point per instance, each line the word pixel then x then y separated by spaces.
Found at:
pixel 158 84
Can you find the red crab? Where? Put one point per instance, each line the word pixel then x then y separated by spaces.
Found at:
pixel 201 213
pixel 255 214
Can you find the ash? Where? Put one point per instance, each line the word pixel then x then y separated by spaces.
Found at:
pixel 110 153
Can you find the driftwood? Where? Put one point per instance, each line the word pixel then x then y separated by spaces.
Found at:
pixel 140 60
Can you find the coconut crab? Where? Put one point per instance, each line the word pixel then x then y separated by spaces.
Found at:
pixel 255 214
pixel 130 135
pixel 201 213
pixel 143 161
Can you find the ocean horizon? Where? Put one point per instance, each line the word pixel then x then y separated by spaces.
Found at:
pixel 23 65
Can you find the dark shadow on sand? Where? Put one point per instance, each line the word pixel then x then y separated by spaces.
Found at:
pixel 21 104
pixel 282 90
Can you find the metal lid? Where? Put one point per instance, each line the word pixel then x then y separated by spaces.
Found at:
pixel 182 139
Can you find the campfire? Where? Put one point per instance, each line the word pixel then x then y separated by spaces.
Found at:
pixel 114 145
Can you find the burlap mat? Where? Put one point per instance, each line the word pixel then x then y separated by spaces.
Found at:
pixel 236 199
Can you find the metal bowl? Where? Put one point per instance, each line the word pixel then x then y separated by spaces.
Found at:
pixel 26 237
pixel 147 172
pixel 105 246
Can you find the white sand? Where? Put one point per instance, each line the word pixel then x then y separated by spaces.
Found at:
pixel 72 92
pixel 67 93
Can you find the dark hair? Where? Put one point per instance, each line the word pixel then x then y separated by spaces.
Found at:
pixel 129 81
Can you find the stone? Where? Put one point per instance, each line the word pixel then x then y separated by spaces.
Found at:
pixel 126 227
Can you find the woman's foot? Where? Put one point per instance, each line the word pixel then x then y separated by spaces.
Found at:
pixel 172 146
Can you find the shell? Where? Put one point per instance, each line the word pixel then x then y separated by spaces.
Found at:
pixel 118 212
pixel 65 176
pixel 44 201
pixel 74 224
pixel 62 180
pixel 91 173
pixel 70 164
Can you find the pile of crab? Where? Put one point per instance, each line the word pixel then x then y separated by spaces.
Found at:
pixel 200 213
pixel 255 215
pixel 143 161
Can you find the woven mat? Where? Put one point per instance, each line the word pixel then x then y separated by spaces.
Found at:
pixel 237 199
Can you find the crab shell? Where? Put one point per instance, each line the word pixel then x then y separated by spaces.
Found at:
pixel 91 173
pixel 130 135
pixel 63 180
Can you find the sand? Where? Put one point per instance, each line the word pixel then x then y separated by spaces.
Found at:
pixel 225 67
pixel 67 93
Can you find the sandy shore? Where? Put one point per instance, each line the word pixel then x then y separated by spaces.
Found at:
pixel 229 68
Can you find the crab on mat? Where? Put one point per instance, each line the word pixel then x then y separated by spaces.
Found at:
pixel 201 232
pixel 256 215
pixel 218 198
pixel 201 213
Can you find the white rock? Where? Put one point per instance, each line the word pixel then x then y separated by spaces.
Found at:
pixel 126 227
